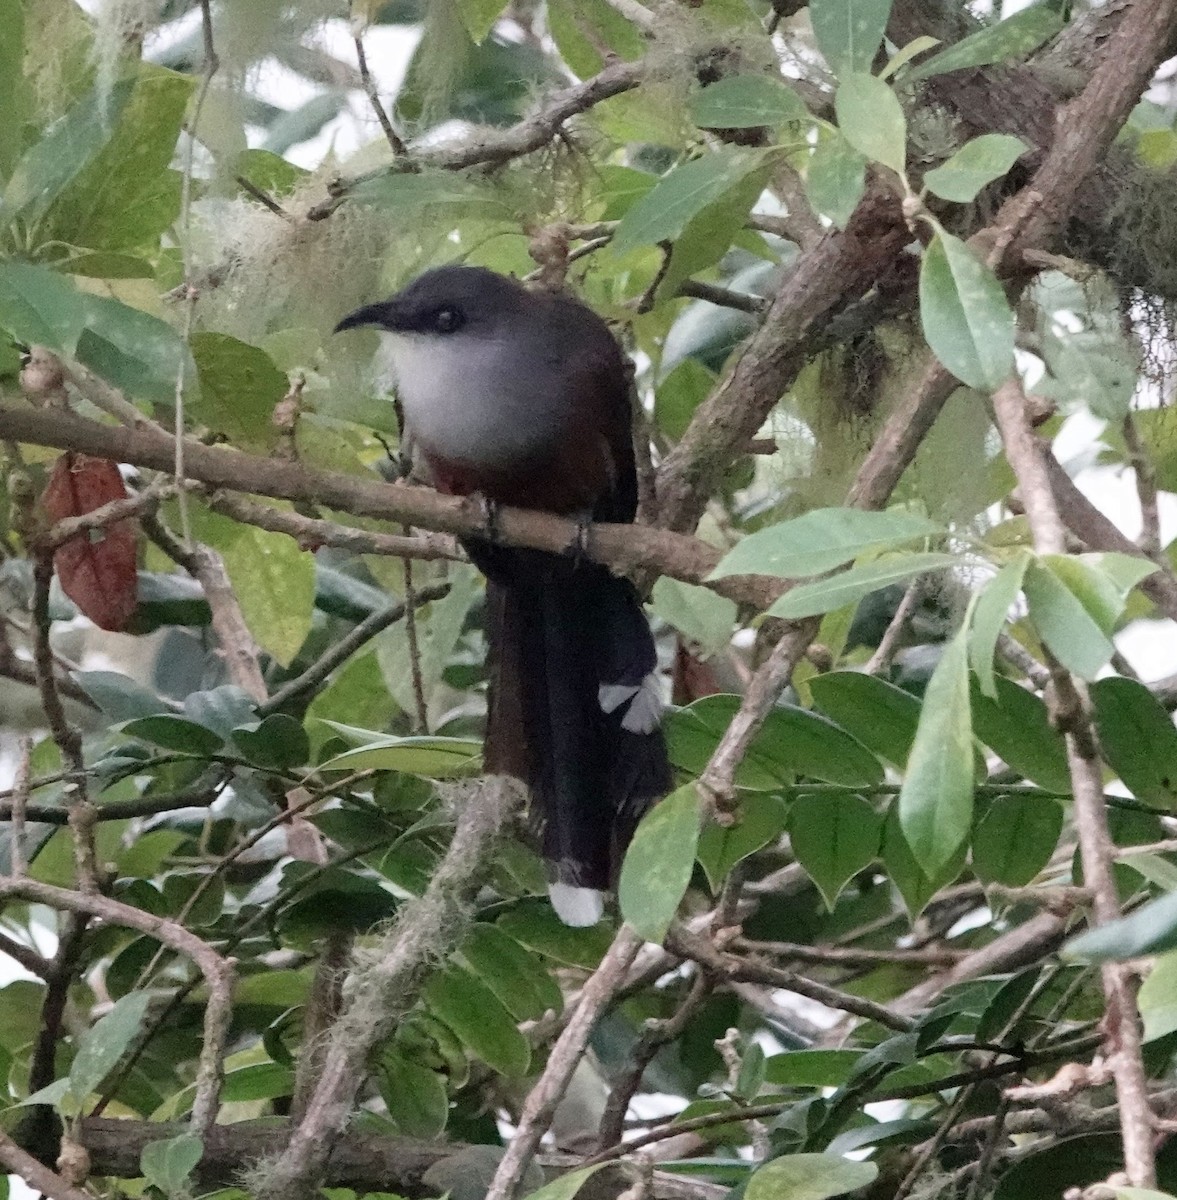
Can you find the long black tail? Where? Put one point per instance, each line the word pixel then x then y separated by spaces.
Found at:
pixel 574 712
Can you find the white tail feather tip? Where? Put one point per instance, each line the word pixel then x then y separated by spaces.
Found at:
pixel 577 906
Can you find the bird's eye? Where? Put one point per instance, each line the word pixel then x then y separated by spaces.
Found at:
pixel 447 320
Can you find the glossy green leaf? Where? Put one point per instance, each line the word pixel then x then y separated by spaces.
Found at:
pixel 1015 37
pixel 915 885
pixel 1157 998
pixel 1138 740
pixel 849 32
pixel 239 387
pixel 936 800
pixel 435 757
pixel 759 820
pixel 474 1013
pixel 102 1045
pixel 699 614
pixel 975 165
pixel 168 1164
pixel 834 837
pixel 64 150
pixel 479 16
pixel 835 177
pixel 416 1096
pixel 534 924
pixel 565 1187
pixel 174 732
pixel 1064 623
pixel 847 587
pixel 119 696
pixel 746 101
pixel 880 715
pixel 127 195
pixel 1016 727
pixel 989 617
pixel 681 194
pixel 1149 930
pixel 871 120
pixel 966 318
pixel 811 1068
pixel 820 540
pixel 278 743
pixel 659 862
pixel 809 1177
pixel 792 741
pixel 1015 839
pixel 514 974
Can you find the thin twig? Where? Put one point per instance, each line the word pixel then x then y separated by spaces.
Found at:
pixel 889 642
pixel 1146 488
pixel 20 801
pixel 543 1099
pixel 395 141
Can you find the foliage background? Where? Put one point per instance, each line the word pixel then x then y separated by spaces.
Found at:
pixel 906 780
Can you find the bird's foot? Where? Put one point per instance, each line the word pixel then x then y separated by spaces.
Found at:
pixel 489 510
pixel 578 547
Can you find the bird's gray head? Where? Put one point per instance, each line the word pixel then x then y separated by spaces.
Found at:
pixel 445 302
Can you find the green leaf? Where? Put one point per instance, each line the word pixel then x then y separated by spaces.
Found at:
pixel 659 862
pixel 168 1164
pixel 1138 740
pixel 565 1187
pixel 1015 37
pixel 1157 998
pixel 849 32
pixel 936 800
pixel 746 101
pixel 1149 930
pixel 760 820
pixel 174 732
pixel 679 394
pixel 1068 629
pixel 40 306
pixel 989 617
pixel 820 540
pixel 698 613
pixel 914 884
pixel 1016 726
pixel 49 164
pixel 133 350
pixel 809 1177
pixel 415 1096
pixel 792 741
pixel 514 974
pixel 586 30
pixel 835 177
pixel 975 165
pixel 834 837
pixel 239 387
pixel 811 1068
pixel 1015 839
pixel 902 57
pixel 880 715
pixel 14 89
pixel 438 192
pixel 1101 582
pixel 848 587
pixel 473 1012
pixel 966 318
pixel 127 195
pixel 434 757
pixel 683 192
pixel 479 17
pixel 278 743
pixel 119 696
pixel 104 1043
pixel 534 924
pixel 871 120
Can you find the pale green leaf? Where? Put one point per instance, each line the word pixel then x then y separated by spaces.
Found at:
pixel 849 32
pixel 698 613
pixel 834 837
pixel 902 57
pixel 746 101
pixel 433 757
pixel 659 862
pixel 565 1187
pixel 809 1177
pixel 665 211
pixel 966 318
pixel 975 165
pixel 811 599
pixel 871 120
pixel 835 177
pixel 102 1045
pixel 1074 637
pixel 1149 930
pixel 820 540
pixel 989 617
pixel 1015 37
pixel 167 1164
pixel 479 17
pixel 936 799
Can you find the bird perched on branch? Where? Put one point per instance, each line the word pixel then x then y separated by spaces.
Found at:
pixel 523 397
